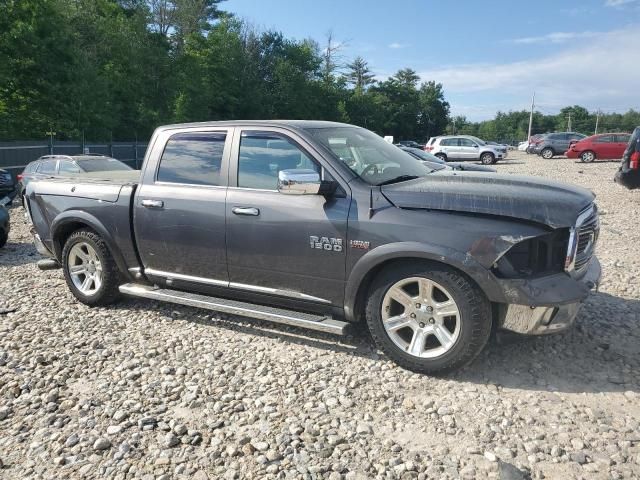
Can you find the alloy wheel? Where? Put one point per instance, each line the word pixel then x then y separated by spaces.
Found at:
pixel 85 268
pixel 588 157
pixel 421 317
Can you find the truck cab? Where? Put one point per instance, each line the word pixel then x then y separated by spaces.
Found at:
pixel 320 225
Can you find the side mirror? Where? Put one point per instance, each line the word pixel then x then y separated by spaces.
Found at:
pixel 299 182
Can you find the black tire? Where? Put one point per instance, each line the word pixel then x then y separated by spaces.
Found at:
pixel 474 308
pixel 4 236
pixel 547 153
pixel 487 158
pixel 587 156
pixel 108 291
pixel 442 157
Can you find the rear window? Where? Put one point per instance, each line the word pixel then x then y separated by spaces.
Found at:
pixel 192 159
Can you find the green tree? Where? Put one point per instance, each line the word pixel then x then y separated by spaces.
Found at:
pixel 359 75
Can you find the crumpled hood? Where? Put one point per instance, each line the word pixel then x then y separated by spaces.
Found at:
pixel 554 204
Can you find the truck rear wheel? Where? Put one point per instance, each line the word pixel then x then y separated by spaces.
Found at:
pixel 428 318
pixel 89 269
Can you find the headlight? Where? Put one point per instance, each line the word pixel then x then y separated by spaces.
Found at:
pixel 535 256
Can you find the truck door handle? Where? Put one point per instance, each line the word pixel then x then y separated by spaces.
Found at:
pixel 152 203
pixel 251 211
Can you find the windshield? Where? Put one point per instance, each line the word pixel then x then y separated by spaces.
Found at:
pixel 103 164
pixel 369 156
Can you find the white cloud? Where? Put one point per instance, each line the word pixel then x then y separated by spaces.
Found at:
pixel 598 73
pixel 398 45
pixel 618 3
pixel 556 37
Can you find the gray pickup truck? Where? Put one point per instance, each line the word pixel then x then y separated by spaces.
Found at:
pixel 320 224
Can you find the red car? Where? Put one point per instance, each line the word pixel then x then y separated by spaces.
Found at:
pixel 602 146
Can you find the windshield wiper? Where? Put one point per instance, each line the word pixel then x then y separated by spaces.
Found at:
pixel 399 178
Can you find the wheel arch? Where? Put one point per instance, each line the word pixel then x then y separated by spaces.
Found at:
pixel 368 266
pixel 73 220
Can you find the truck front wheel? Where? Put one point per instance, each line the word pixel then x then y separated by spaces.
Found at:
pixel 428 318
pixel 89 269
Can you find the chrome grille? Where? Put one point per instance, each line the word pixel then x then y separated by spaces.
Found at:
pixel 586 231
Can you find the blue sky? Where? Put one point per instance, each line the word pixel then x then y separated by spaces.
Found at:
pixel 489 55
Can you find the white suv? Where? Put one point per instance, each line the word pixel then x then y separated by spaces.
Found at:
pixel 465 147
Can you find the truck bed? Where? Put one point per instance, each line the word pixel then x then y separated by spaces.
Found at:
pixel 102 200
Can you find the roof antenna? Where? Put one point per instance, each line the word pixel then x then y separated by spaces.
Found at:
pixel 371 203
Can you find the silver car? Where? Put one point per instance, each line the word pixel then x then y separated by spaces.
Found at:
pixel 465 147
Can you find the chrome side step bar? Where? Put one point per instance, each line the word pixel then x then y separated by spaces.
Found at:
pixel 287 317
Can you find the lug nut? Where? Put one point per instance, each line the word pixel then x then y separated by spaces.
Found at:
pixel 429 309
pixel 432 320
pixel 418 305
pixel 421 325
pixel 413 315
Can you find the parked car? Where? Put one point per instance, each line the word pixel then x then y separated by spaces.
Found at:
pixel 8 187
pixel 437 163
pixel 603 146
pixel 410 143
pixel 464 147
pixel 533 141
pixel 523 146
pixel 68 165
pixel 319 224
pixel 5 224
pixel 628 175
pixel 552 144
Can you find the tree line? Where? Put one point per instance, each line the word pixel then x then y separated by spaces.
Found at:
pixel 116 69
pixel 512 127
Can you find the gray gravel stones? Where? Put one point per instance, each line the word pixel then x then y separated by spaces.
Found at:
pixel 102 444
pixel 143 390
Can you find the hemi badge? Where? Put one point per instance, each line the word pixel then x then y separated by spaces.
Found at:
pixel 359 244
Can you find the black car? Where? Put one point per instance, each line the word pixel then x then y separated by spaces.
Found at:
pixel 410 143
pixel 8 187
pixel 4 224
pixel 438 164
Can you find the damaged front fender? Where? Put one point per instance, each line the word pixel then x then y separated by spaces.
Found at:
pixel 488 250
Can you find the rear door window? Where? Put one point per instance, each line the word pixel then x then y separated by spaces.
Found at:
pixel 465 142
pixel 193 159
pixel 47 167
pixel 604 139
pixel 623 138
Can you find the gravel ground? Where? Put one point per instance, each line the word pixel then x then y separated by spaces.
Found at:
pixel 144 390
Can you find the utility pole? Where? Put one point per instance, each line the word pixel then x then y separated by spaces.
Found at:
pixel 597 119
pixel 569 123
pixel 533 101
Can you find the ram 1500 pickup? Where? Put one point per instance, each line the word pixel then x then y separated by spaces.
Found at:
pixel 319 224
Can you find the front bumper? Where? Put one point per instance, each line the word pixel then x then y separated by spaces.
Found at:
pixel 546 319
